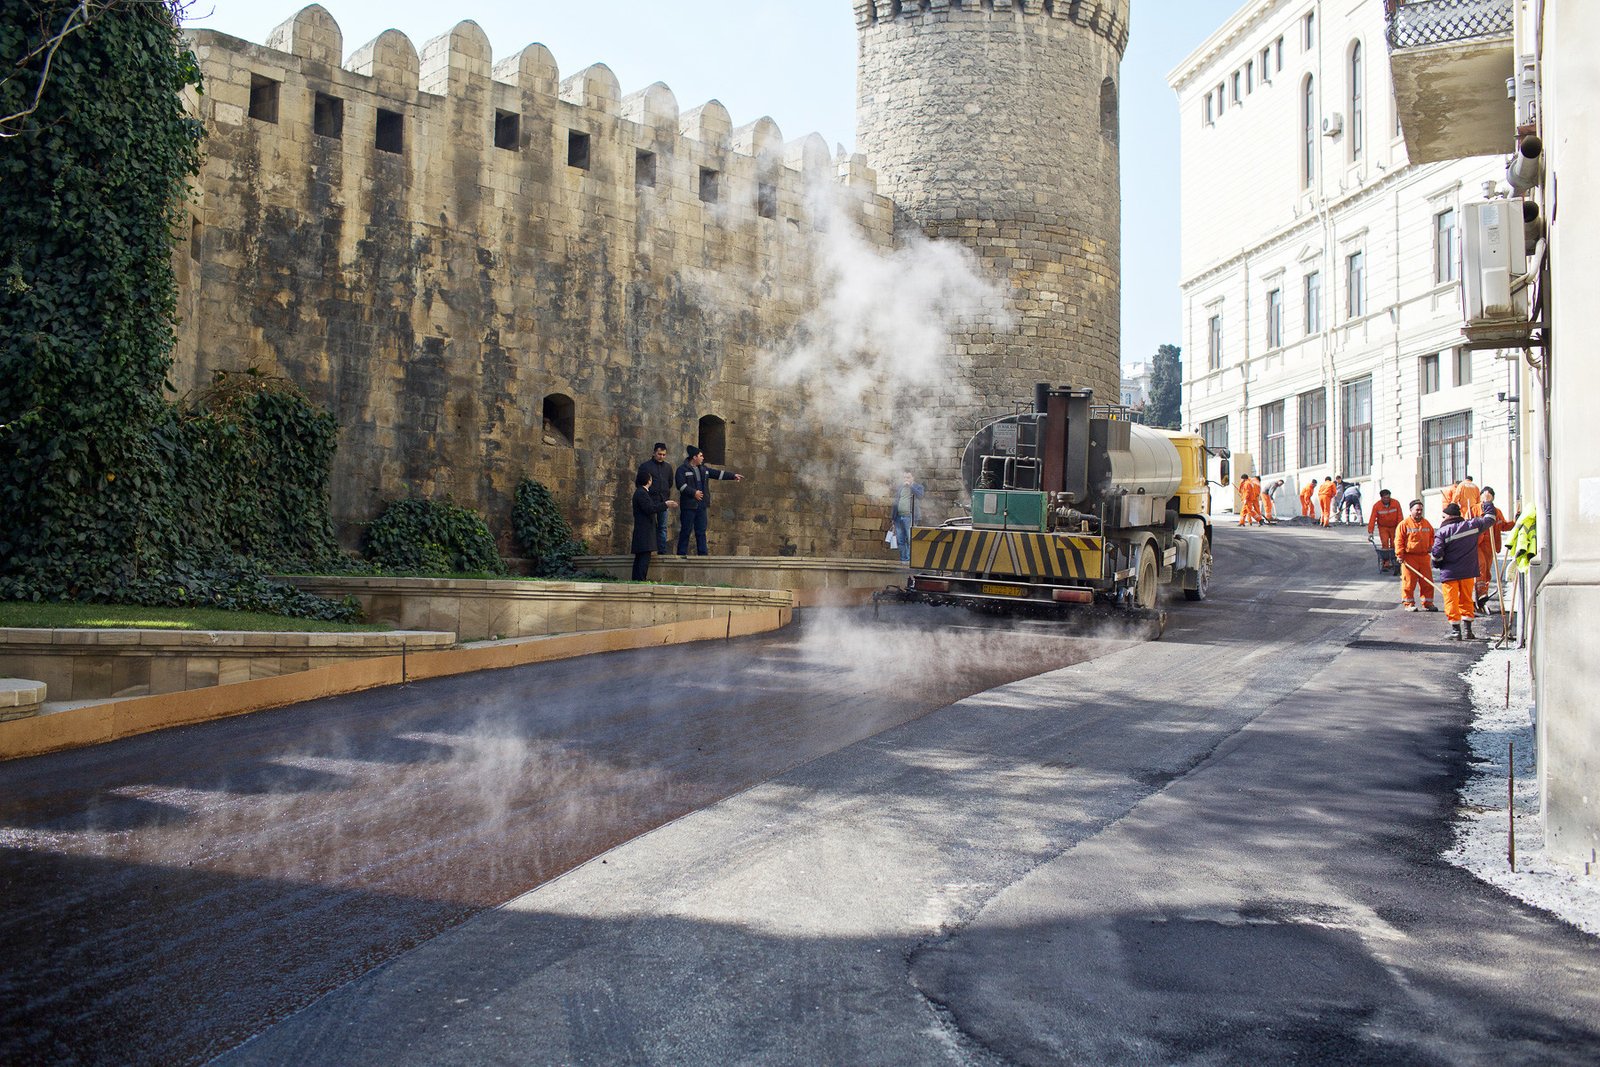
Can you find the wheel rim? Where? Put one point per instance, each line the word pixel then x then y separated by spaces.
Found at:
pixel 1202 582
pixel 1144 590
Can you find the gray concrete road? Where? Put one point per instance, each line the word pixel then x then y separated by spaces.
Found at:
pixel 1220 848
pixel 168 896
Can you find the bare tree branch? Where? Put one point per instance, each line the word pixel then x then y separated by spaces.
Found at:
pixel 83 14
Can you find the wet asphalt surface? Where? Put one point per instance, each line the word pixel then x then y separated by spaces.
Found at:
pixel 170 895
pixel 929 839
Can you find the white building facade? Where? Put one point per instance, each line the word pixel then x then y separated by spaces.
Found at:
pixel 1321 270
pixel 1136 378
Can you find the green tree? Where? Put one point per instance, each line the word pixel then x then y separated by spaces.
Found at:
pixel 94 164
pixel 1166 388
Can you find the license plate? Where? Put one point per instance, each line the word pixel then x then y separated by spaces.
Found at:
pixel 1004 590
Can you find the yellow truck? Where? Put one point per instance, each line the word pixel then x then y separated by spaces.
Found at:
pixel 1072 505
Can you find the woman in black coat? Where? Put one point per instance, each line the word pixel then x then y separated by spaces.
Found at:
pixel 645 509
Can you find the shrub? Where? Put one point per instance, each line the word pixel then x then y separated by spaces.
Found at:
pixel 544 536
pixel 433 536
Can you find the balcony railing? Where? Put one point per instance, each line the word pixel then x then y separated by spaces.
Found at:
pixel 1420 23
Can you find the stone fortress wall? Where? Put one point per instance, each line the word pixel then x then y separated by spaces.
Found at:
pixel 994 123
pixel 487 272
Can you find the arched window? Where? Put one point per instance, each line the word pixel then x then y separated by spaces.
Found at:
pixel 1308 132
pixel 1108 109
pixel 714 439
pixel 1357 104
pixel 560 415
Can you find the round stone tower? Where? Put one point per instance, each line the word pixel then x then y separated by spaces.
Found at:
pixel 994 123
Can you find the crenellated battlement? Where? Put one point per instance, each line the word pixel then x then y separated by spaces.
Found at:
pixel 456 71
pixel 486 269
pixel 1108 18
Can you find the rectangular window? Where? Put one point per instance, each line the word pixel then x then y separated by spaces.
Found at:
pixel 1313 428
pixel 507 130
pixel 1215 432
pixel 1356 404
pixel 1275 318
pixel 1273 458
pixel 1446 446
pixel 390 135
pixel 327 115
pixel 644 169
pixel 1211 110
pixel 1444 246
pixel 263 98
pixel 1355 284
pixel 708 185
pixel 1277 54
pixel 1214 343
pixel 1308 31
pixel 1250 76
pixel 1463 362
pixel 1236 80
pixel 1222 97
pixel 1428 374
pixel 1266 64
pixel 577 150
pixel 1314 302
pixel 766 200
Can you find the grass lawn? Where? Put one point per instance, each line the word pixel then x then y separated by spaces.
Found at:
pixel 130 616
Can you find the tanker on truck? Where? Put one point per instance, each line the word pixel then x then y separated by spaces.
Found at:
pixel 1072 506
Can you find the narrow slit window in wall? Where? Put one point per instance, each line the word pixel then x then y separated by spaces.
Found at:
pixel 577 150
pixel 327 116
pixel 507 130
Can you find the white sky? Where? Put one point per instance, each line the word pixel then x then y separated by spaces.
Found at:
pixel 794 60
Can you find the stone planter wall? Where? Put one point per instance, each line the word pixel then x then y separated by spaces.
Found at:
pixel 96 664
pixel 477 610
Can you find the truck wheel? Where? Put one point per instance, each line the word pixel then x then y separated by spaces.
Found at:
pixel 1202 574
pixel 1145 584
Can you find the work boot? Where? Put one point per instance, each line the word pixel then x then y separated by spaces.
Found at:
pixel 1430 607
pixel 1455 632
pixel 1409 607
pixel 1469 634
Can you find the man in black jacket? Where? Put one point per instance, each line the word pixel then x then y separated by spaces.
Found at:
pixel 660 472
pixel 694 496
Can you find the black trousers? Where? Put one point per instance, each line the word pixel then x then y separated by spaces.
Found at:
pixel 641 566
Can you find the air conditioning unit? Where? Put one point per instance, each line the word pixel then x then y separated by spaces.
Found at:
pixel 1333 125
pixel 1494 261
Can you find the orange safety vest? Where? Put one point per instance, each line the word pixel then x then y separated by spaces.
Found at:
pixel 1413 537
pixel 1386 515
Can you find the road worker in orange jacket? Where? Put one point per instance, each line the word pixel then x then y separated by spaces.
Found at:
pixel 1268 508
pixel 1325 499
pixel 1250 501
pixel 1413 543
pixel 1448 495
pixel 1386 515
pixel 1489 544
pixel 1468 498
pixel 1307 495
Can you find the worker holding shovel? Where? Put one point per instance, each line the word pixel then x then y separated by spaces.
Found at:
pixel 1413 545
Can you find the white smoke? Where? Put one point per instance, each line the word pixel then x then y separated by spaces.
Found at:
pixel 875 360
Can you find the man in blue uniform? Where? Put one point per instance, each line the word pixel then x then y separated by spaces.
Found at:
pixel 694 498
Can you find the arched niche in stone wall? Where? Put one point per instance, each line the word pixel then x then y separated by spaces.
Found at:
pixel 594 87
pixel 533 70
pixel 709 124
pixel 310 34
pixel 453 60
pixel 653 106
pixel 390 59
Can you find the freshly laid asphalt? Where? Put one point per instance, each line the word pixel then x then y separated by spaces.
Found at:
pixel 1219 848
